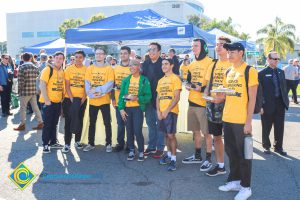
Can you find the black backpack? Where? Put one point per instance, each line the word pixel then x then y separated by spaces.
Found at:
pixel 259 95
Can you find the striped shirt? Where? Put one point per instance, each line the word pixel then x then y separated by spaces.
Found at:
pixel 27 75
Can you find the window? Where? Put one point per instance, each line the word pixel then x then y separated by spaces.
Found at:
pixel 48 34
pixel 27 34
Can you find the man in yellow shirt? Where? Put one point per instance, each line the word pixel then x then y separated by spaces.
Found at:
pixel 168 96
pixel 74 102
pixel 99 81
pixel 121 71
pixel 214 108
pixel 237 119
pixel 197 121
pixel 52 89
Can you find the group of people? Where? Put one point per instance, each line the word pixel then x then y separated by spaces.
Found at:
pixel 152 89
pixel 292 77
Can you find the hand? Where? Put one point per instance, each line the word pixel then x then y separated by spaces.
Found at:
pixel 188 87
pixel 165 114
pixel 114 103
pixel 247 128
pixel 71 99
pixel 1 88
pixel 47 103
pixel 92 91
pixel 217 100
pixel 159 115
pixel 123 115
pixel 198 88
pixel 82 100
pixel 261 111
pixel 133 97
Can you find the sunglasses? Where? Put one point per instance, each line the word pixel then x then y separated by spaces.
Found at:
pixel 275 59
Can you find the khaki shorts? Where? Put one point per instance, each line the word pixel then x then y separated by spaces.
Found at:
pixel 197 120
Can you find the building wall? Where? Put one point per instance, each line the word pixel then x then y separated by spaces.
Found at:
pixel 30 28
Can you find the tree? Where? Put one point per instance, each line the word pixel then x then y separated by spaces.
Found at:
pixel 277 37
pixel 225 25
pixel 96 17
pixel 67 24
pixel 3 47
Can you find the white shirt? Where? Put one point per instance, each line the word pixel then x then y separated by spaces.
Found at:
pixel 291 72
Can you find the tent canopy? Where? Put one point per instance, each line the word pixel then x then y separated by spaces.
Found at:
pixel 137 28
pixel 57 45
pixel 247 44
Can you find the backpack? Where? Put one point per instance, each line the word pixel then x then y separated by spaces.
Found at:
pixel 214 112
pixel 259 95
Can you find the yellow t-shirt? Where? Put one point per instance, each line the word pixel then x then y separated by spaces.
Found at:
pixel 134 90
pixel 98 76
pixel 120 73
pixel 236 105
pixel 218 77
pixel 184 70
pixel 166 91
pixel 55 85
pixel 76 77
pixel 198 70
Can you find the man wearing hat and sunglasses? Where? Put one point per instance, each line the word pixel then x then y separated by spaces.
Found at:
pixel 237 119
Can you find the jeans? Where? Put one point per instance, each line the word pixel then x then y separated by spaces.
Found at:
pixel 240 168
pixel 156 137
pixel 68 117
pixel 105 110
pixel 5 96
pixel 50 116
pixel 121 128
pixel 134 127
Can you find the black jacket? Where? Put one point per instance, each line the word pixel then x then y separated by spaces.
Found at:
pixel 265 78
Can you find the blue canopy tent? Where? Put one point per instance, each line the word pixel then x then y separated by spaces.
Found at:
pixel 137 28
pixel 58 45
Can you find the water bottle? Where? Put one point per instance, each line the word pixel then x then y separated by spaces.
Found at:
pixel 248 147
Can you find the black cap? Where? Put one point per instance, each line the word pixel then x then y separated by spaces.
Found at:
pixel 234 46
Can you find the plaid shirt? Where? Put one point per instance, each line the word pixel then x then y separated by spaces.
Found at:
pixel 27 76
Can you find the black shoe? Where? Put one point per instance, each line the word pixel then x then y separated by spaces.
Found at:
pixel 281 152
pixel 216 171
pixel 118 148
pixel 9 113
pixel 296 102
pixel 46 149
pixel 267 151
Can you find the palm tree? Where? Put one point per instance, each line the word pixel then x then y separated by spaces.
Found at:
pixel 278 37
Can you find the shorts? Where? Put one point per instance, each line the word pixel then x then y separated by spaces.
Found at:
pixel 197 120
pixel 169 125
pixel 215 129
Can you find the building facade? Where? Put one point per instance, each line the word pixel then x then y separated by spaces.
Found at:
pixel 30 28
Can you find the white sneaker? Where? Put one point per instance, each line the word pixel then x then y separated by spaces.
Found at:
pixel 88 147
pixel 231 186
pixel 108 148
pixel 243 194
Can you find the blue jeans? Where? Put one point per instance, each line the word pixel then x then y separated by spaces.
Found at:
pixel 156 137
pixel 121 128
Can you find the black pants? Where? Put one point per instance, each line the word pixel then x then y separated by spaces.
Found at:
pixel 276 119
pixel 105 111
pixel 134 127
pixel 50 117
pixel 240 168
pixel 291 85
pixel 66 105
pixel 5 99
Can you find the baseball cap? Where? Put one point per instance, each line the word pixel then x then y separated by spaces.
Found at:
pixel 234 46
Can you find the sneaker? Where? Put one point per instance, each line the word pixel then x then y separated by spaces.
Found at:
pixel 149 151
pixel 172 166
pixel 88 148
pixel 66 149
pixel 231 186
pixel 56 145
pixel 158 154
pixel 243 194
pixel 216 171
pixel 165 160
pixel 206 165
pixel 108 148
pixel 141 157
pixel 267 151
pixel 46 149
pixel 118 148
pixel 130 155
pixel 78 145
pixel 192 160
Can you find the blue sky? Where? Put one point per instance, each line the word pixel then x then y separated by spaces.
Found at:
pixel 249 16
